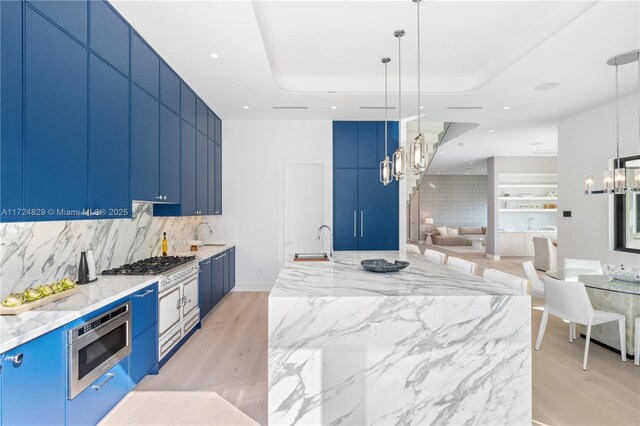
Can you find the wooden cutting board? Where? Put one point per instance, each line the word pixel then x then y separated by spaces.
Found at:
pixel 32 305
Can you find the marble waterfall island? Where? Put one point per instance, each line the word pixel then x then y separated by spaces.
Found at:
pixel 426 345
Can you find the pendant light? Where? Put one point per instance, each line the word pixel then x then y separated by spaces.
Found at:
pixel 399 155
pixel 615 181
pixel 418 148
pixel 386 168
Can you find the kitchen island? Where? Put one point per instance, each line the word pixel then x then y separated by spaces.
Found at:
pixel 427 345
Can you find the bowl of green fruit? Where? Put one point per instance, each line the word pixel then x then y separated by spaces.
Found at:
pixel 17 303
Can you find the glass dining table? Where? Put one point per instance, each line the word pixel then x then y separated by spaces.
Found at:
pixel 607 294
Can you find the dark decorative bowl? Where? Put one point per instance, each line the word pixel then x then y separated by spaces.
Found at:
pixel 381 265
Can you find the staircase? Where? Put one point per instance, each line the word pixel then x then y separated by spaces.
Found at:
pixel 433 134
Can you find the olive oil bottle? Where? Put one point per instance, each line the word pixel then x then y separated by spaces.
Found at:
pixel 165 244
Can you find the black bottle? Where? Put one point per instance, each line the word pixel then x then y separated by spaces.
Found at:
pixel 83 269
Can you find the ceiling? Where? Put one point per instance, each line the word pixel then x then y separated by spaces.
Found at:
pixel 477 53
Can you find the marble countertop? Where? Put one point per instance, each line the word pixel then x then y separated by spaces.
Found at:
pixel 206 252
pixel 346 277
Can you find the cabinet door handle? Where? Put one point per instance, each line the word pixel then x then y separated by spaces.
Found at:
pixel 361 224
pixel 16 359
pixel 146 293
pixel 164 197
pixel 107 380
pixel 207 262
pixel 354 224
pixel 159 197
pixel 221 256
pixel 179 303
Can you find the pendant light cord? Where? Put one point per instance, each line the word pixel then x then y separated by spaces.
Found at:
pixel 385 110
pixel 617 119
pixel 639 96
pixel 400 87
pixel 418 3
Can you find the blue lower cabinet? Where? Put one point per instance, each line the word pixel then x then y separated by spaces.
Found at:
pixel 232 267
pixel 144 309
pixel 227 273
pixel 34 381
pixel 205 288
pixel 217 278
pixel 144 353
pixel 93 403
pixel 346 216
pixel 378 206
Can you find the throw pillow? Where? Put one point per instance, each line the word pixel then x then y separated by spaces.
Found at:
pixel 452 231
pixel 442 230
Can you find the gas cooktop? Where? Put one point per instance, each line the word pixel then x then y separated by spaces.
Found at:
pixel 150 266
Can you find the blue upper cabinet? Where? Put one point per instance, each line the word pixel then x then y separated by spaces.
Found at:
pixel 188 170
pixel 36 372
pixel 188 104
pixel 392 140
pixel 169 88
pixel 145 66
pixel 55 119
pixel 211 124
pixel 202 173
pixel 11 189
pixel 218 179
pixel 218 131
pixel 145 146
pixel 169 155
pixel 345 144
pixel 71 16
pixel 108 140
pixel 211 177
pixel 368 144
pixel 109 35
pixel 201 116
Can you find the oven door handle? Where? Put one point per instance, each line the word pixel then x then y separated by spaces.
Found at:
pixel 107 380
pixel 146 293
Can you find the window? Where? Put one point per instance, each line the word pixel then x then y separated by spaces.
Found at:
pixel 627 211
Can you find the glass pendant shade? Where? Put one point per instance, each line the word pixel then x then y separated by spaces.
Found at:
pixel 608 181
pixel 418 150
pixel 588 184
pixel 386 171
pixel 620 180
pixel 636 180
pixel 399 164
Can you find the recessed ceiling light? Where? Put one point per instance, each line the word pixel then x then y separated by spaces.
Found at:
pixel 491 131
pixel 467 172
pixel 507 107
pixel 421 107
pixel 438 173
pixel 334 107
pixel 214 55
pixel 547 86
pixel 245 107
pixel 471 163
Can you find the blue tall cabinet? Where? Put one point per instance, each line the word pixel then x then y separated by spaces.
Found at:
pixel 365 212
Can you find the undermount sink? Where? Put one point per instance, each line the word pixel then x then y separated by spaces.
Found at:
pixel 311 257
pixel 214 244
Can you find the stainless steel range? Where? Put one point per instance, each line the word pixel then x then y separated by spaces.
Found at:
pixel 178 307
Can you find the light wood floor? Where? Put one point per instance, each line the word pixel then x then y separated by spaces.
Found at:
pixel 229 356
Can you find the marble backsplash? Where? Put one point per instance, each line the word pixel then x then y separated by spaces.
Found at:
pixel 40 252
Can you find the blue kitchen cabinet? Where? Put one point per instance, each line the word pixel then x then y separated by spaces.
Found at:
pixel 109 35
pixel 201 116
pixel 144 353
pixel 188 170
pixel 217 274
pixel 217 193
pixel 11 103
pixel 205 288
pixel 218 130
pixel 145 146
pixel 378 206
pixel 169 155
pixel 169 88
pixel 93 403
pixel 227 272
pixel 211 124
pixel 345 144
pixel 211 177
pixel 71 16
pixel 202 170
pixel 35 373
pixel 55 90
pixel 345 209
pixel 109 183
pixel 145 66
pixel 368 144
pixel 144 309
pixel 187 104
pixel 232 267
pixel 392 140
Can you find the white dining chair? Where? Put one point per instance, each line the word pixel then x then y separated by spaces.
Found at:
pixel 569 300
pixel 545 254
pixel 537 288
pixel 462 265
pixel 435 256
pixel 636 357
pixel 512 281
pixel 413 249
pixel 593 265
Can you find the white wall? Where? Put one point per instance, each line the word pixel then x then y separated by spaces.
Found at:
pixel 253 153
pixel 586 142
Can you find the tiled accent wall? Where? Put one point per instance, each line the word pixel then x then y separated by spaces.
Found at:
pixel 455 201
pixel 52 249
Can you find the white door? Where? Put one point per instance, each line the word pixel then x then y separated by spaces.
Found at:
pixel 169 309
pixel 304 203
pixel 189 296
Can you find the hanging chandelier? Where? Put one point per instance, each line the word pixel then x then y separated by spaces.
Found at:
pixel 386 167
pixel 418 148
pixel 615 181
pixel 399 155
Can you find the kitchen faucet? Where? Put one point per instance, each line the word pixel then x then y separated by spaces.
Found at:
pixel 530 219
pixel 330 236
pixel 204 223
